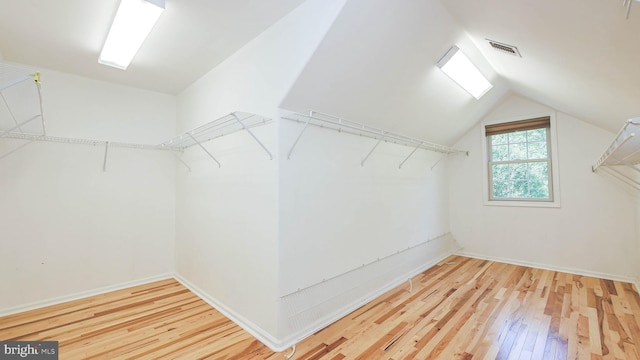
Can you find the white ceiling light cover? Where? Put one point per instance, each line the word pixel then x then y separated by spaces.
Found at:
pixel 131 26
pixel 461 70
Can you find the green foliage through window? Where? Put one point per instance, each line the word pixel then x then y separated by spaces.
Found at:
pixel 519 165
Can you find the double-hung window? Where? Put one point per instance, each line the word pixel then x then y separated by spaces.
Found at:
pixel 520 161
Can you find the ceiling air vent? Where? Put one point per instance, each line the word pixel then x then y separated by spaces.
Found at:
pixel 504 48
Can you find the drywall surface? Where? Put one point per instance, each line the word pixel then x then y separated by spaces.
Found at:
pixel 258 76
pixel 593 231
pixel 227 228
pixel 347 230
pixel 226 243
pixel 70 228
pixel 377 64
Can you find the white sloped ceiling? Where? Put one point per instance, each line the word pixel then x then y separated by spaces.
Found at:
pixel 377 65
pixel 581 57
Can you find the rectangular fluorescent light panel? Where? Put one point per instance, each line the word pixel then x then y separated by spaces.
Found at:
pixel 133 22
pixel 461 70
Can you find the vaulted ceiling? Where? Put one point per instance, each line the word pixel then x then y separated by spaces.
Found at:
pixel 376 64
pixel 190 38
pixel 578 56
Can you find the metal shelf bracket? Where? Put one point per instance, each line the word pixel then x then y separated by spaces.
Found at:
pixel 204 149
pixel 408 156
pixel 371 151
pixel 306 124
pixel 252 135
pixel 106 153
pixel 341 125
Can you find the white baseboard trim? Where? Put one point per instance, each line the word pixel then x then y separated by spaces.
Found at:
pixel 568 270
pixel 256 331
pixel 81 295
pixel 331 318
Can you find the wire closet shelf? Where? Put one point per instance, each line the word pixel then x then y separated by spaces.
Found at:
pixel 21 102
pixel 228 124
pixel 327 121
pixel 22 118
pixel 210 131
pixel 623 155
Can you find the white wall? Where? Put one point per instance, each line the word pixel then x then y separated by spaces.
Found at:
pixel 274 227
pixel 336 215
pixel 68 227
pixel 338 218
pixel 593 231
pixel 227 227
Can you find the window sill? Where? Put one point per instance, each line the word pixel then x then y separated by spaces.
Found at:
pixel 520 203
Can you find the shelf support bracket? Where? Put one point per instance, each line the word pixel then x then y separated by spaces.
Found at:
pixel 252 135
pixel 18 126
pixel 182 161
pixel 14 150
pixel 4 99
pixel 632 168
pixel 106 153
pixel 293 351
pixel 408 156
pixel 624 178
pixel 371 151
pixel 299 136
pixel 15 82
pixel 36 79
pixel 438 162
pixel 204 149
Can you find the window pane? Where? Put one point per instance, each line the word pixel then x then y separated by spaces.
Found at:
pixel 537 150
pixel 517 137
pixel 539 190
pixel 500 153
pixel 518 172
pixel 537 135
pixel 499 139
pixel 501 190
pixel 539 180
pixel 538 171
pixel 500 172
pixel 517 152
pixel 520 189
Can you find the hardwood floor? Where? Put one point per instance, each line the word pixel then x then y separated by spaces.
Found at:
pixel 460 309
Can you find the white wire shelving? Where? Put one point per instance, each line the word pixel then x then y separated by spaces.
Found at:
pixel 228 124
pixel 22 118
pixel 623 155
pixel 21 102
pixel 351 127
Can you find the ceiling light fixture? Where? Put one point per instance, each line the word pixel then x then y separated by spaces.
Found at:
pixel 131 26
pixel 461 70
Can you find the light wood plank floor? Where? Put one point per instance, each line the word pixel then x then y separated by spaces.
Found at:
pixel 460 309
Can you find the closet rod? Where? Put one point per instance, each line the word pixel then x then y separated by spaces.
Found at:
pixel 385 257
pixel 341 125
pixel 78 141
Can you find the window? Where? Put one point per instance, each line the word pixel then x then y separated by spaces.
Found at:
pixel 519 160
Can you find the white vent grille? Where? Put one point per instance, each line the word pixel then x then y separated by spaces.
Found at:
pixel 504 48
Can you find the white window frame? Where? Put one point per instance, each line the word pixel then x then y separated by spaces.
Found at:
pixel 555 173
